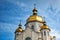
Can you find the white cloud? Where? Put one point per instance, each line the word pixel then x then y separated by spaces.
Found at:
pixel 5 27
pixel 21 4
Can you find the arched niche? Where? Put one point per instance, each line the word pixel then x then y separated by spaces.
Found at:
pixel 28 38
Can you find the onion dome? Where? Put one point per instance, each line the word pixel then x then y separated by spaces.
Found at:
pixel 44 26
pixel 19 29
pixel 34 17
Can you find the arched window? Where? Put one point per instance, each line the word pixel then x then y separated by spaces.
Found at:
pixel 48 32
pixel 32 27
pixel 44 33
pixel 41 34
pixel 28 38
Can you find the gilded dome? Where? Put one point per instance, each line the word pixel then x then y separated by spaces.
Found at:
pixel 19 29
pixel 44 26
pixel 34 18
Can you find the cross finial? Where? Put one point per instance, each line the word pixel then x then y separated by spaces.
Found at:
pixel 44 18
pixel 44 22
pixel 20 23
pixel 35 5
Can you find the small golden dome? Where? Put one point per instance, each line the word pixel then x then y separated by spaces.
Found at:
pixel 34 18
pixel 19 29
pixel 44 26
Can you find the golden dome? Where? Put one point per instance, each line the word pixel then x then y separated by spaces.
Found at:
pixel 34 18
pixel 19 29
pixel 44 26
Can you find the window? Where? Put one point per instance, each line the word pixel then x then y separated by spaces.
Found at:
pixel 48 33
pixel 44 33
pixel 28 38
pixel 41 34
pixel 32 27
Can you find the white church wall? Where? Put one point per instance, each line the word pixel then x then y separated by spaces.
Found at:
pixel 36 25
pixel 27 33
pixel 18 36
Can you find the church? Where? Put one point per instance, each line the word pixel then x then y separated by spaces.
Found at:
pixel 35 29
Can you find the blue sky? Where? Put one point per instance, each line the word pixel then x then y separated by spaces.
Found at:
pixel 12 11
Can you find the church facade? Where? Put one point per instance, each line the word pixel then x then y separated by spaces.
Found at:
pixel 35 29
